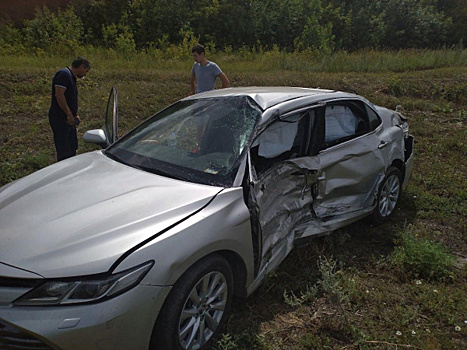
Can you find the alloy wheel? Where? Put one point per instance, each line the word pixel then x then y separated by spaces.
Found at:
pixel 203 311
pixel 389 195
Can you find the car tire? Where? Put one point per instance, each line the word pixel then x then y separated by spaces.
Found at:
pixel 389 193
pixel 196 307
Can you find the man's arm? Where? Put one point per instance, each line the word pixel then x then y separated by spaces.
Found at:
pixel 61 100
pixel 225 81
pixel 193 83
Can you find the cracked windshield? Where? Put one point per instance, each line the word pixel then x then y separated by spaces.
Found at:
pixel 200 139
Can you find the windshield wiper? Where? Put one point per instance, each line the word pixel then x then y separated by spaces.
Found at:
pixel 146 168
pixel 114 157
pixel 158 172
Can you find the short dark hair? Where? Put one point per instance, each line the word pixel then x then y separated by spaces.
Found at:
pixel 199 49
pixel 78 61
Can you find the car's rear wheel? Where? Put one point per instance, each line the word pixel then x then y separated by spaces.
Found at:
pixel 389 193
pixel 196 307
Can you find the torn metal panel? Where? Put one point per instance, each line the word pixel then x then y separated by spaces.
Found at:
pixel 314 195
pixel 284 199
pixel 349 178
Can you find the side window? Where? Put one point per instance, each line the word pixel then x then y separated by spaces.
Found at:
pixel 344 121
pixel 278 140
pixel 374 119
pixel 283 140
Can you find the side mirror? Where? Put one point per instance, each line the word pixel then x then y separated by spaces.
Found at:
pixel 97 137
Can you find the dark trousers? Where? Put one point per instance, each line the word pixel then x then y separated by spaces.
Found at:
pixel 65 137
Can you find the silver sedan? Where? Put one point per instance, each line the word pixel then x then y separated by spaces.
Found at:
pixel 143 244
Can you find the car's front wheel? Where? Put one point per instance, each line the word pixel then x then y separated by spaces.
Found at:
pixel 196 307
pixel 389 193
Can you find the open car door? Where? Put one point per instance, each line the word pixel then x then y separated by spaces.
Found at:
pixel 281 189
pixel 111 117
pixel 108 134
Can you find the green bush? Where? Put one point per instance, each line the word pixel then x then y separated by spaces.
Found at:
pixel 61 31
pixel 422 258
pixel 11 40
pixel 10 35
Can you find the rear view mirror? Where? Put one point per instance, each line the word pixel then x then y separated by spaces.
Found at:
pixel 97 137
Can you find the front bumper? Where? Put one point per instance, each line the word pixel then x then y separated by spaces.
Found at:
pixel 124 322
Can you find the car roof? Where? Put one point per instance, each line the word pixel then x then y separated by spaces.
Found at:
pixel 269 96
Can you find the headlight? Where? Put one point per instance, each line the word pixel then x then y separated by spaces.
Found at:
pixel 84 289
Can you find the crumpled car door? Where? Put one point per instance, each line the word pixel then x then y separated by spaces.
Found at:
pixel 281 191
pixel 352 164
pixel 347 179
pixel 350 177
pixel 283 197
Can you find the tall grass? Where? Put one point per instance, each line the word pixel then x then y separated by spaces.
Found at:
pixel 395 61
pixel 179 58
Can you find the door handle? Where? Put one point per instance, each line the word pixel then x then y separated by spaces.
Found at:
pixel 383 144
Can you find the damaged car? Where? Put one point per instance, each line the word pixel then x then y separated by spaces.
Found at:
pixel 144 243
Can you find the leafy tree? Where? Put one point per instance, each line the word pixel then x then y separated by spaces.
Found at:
pixel 226 23
pixel 98 14
pixel 317 32
pixel 282 22
pixel 412 25
pixel 155 21
pixel 54 31
pixel 367 27
pixel 11 40
pixel 119 38
pixel 457 11
pixel 319 25
pixel 10 35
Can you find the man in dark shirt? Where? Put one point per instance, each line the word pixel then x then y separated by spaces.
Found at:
pixel 63 112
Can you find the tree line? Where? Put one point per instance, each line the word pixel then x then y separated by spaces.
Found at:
pixel 288 25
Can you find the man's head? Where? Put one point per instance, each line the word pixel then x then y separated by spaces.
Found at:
pixel 199 54
pixel 80 66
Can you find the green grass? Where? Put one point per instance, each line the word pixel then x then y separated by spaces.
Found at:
pixel 401 285
pixel 422 258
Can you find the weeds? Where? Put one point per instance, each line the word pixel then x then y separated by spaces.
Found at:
pixel 226 342
pixel 422 258
pixel 331 282
pixel 305 297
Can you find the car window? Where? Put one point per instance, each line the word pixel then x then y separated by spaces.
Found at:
pixel 344 121
pixel 284 139
pixel 374 118
pixel 198 140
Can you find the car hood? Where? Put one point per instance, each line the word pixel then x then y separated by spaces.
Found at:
pixel 78 216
